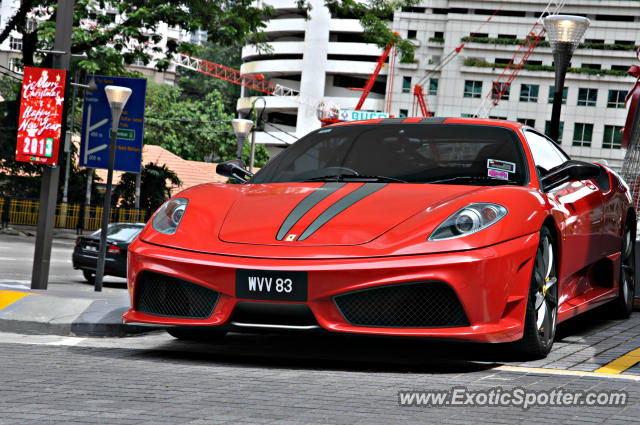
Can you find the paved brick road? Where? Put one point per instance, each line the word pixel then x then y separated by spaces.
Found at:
pixel 294 379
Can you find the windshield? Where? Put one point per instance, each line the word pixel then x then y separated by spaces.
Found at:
pixel 397 152
pixel 121 232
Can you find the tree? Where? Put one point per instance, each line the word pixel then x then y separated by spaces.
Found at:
pixel 195 130
pixel 195 85
pixel 132 34
pixel 155 183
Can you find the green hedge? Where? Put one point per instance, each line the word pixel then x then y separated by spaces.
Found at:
pixel 545 43
pixel 484 64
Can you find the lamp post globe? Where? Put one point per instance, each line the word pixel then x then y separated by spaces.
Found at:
pixel 241 127
pixel 564 33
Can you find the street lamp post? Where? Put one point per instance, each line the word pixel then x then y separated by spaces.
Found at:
pixel 242 128
pixel 256 119
pixel 117 97
pixel 564 33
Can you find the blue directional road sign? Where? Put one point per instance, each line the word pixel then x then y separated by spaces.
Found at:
pixel 96 126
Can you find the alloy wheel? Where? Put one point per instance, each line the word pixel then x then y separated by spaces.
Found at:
pixel 546 291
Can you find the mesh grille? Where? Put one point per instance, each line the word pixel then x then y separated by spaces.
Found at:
pixel 162 295
pixel 414 305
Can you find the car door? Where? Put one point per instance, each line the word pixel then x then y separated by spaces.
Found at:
pixel 581 202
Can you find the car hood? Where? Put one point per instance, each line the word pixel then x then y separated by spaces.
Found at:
pixel 351 220
pixel 326 214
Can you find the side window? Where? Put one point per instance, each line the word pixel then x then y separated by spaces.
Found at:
pixel 545 154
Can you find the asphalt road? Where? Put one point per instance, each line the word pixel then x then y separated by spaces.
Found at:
pixel 16 263
pixel 155 379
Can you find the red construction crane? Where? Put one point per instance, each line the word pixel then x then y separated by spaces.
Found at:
pixel 374 75
pixel 330 114
pixel 501 86
pixel 255 82
pixel 418 95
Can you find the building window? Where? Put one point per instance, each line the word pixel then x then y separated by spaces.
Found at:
pixel 616 98
pixel 433 86
pixel 15 66
pixel 612 137
pixel 547 128
pixel 529 92
pixel 531 122
pixel 412 34
pixel 32 25
pixel 497 88
pixel 582 134
pixel 497 117
pixel 15 43
pixel 472 88
pixel 403 113
pixel 467 115
pixel 564 94
pixel 587 97
pixel 406 84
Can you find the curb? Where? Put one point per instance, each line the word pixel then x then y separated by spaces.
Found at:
pixel 65 314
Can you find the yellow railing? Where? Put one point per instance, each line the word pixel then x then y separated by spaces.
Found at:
pixel 68 215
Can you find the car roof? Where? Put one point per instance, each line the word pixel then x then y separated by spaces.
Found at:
pixel 436 120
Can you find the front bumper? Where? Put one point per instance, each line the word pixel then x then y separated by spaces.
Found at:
pixel 491 284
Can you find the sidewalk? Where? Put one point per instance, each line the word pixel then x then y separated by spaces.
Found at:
pixel 60 311
pixel 30 231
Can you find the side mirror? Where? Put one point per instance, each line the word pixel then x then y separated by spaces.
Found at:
pixel 569 171
pixel 234 168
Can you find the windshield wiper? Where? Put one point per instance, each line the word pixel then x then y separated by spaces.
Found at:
pixel 471 179
pixel 354 178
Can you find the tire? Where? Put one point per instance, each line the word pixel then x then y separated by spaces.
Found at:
pixel 90 276
pixel 541 317
pixel 621 307
pixel 192 333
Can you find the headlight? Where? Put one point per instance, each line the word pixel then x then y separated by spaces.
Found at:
pixel 167 218
pixel 468 220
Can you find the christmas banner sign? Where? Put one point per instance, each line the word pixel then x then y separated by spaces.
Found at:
pixel 40 121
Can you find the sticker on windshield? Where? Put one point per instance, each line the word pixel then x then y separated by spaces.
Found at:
pixel 496 164
pixel 498 174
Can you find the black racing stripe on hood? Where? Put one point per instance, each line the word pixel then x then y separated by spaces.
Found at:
pixel 339 206
pixel 306 205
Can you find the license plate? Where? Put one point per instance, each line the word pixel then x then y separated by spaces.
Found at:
pixel 91 248
pixel 271 285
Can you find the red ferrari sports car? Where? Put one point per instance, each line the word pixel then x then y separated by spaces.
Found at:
pixel 457 228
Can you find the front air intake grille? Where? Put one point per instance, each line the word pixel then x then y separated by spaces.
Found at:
pixel 412 305
pixel 167 296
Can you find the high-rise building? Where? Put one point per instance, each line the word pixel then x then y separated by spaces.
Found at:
pixel 595 88
pixel 322 56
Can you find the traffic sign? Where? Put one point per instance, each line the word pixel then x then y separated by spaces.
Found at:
pixel 96 126
pixel 353 115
